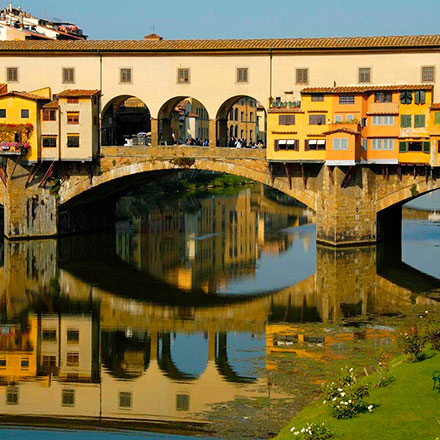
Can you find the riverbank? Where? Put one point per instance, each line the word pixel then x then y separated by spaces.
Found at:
pixel 406 408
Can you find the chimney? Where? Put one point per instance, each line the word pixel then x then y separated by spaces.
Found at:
pixel 153 37
pixel 10 7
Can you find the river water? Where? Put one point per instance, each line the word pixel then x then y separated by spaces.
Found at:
pixel 204 315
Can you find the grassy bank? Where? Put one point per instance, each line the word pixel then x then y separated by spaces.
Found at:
pixel 406 409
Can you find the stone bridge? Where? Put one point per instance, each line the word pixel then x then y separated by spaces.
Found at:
pixel 353 205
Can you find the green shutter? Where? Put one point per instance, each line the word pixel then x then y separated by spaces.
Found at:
pixel 419 121
pixel 437 118
pixel 405 121
pixel 426 146
pixel 403 147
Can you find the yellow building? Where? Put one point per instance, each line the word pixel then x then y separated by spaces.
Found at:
pixel 245 120
pixel 20 121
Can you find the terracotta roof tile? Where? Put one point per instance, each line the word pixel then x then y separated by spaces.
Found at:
pixel 435 106
pixel 51 104
pixel 25 95
pixel 77 93
pixel 366 89
pixel 331 43
pixel 342 130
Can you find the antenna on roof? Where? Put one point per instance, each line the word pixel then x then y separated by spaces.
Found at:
pixel 153 28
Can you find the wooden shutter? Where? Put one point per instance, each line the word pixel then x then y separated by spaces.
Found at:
pixel 405 121
pixel 426 147
pixel 296 145
pixel 403 147
pixel 437 118
pixel 290 120
pixel 276 147
pixel 306 145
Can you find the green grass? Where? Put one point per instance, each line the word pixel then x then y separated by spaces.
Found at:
pixel 406 409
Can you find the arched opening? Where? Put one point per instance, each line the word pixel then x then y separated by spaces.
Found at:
pixel 183 121
pixel 126 120
pixel 241 123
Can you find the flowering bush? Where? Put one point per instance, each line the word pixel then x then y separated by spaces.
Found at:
pixel 431 329
pixel 15 146
pixel 312 431
pixel 345 396
pixel 413 344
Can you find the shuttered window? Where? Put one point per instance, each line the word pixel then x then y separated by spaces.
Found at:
pixel 286 144
pixel 49 115
pixel 340 144
pixel 183 76
pixel 12 74
pixel 68 75
pixel 286 119
pixel 242 75
pixel 314 144
pixel 73 118
pixel 419 97
pixel 403 147
pixel 419 121
pixel 125 76
pixel 316 119
pixel 317 97
pixel 427 73
pixel 426 147
pixel 346 99
pixel 49 142
pixel 405 121
pixel 437 118
pixel 302 76
pixel 406 97
pixel 73 141
pixel 364 75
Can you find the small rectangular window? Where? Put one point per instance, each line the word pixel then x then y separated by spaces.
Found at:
pixel 242 75
pixel 316 119
pixel 2 113
pixel 12 74
pixel 72 100
pixel 49 115
pixel 49 362
pixel 12 396
pixel 183 76
pixel 68 398
pixel 2 363
pixel 72 336
pixel 125 76
pixel 24 363
pixel 72 141
pixel 49 335
pixel 340 144
pixel 437 118
pixel 286 120
pixel 426 147
pixel 365 144
pixel 317 97
pixel 73 118
pixel 349 118
pixel 125 400
pixel 68 75
pixel 302 76
pixel 405 121
pixel 403 147
pixel 72 359
pixel 364 74
pixel 406 97
pixel 338 119
pixel 419 97
pixel 24 113
pixel 419 121
pixel 182 402
pixel 383 97
pixel 428 73
pixel 346 99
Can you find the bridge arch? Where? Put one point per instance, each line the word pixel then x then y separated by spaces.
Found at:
pixel 241 117
pixel 183 119
pixel 122 118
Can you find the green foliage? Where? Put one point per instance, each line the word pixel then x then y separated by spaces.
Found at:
pixel 312 431
pixel 412 344
pixel 345 396
pixel 430 331
pixel 183 162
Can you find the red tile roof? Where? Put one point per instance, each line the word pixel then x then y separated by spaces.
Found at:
pixel 51 104
pixel 342 130
pixel 435 106
pixel 25 95
pixel 77 93
pixel 296 44
pixel 366 89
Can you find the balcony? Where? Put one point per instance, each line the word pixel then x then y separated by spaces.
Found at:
pixel 383 108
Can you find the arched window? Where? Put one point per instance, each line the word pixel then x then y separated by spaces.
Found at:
pixel 231 114
pixel 236 114
pixel 231 131
pixel 236 131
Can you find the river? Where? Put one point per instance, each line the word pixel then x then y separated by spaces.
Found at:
pixel 210 314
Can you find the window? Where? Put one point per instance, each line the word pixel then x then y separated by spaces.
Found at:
pixel 349 118
pixel 236 114
pixel 316 119
pixel 72 141
pixel 49 362
pixel 73 118
pixel 419 97
pixel 251 116
pixel 72 336
pixel 346 99
pixel 12 396
pixel 242 116
pixel 49 115
pixel 417 146
pixel 49 142
pixel 382 144
pixel 242 75
pixel 383 97
pixel 365 144
pixel 287 144
pixel 438 146
pixel 68 398
pixel 302 76
pixel 125 76
pixel 338 119
pixel 182 402
pixel 242 134
pixel 428 73
pixel 2 113
pixel 382 120
pixel 286 120
pixel 340 144
pixel 317 97
pixel 406 97
pixel 2 363
pixel 24 113
pixel 49 335
pixel 12 74
pixel 72 359
pixel 364 74
pixel 68 75
pixel 405 121
pixel 24 363
pixel 72 100
pixel 437 118
pixel 419 121
pixel 183 76
pixel 314 144
pixel 125 400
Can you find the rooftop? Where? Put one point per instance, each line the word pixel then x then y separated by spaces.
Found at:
pixel 25 95
pixel 299 44
pixel 366 89
pixel 77 93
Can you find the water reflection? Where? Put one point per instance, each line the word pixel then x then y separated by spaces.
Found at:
pixel 156 323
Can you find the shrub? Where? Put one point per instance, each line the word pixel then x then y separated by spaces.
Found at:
pixel 431 330
pixel 345 396
pixel 412 344
pixel 312 431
